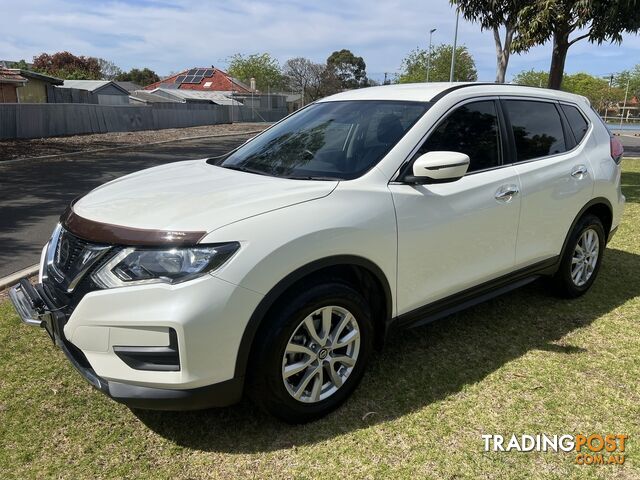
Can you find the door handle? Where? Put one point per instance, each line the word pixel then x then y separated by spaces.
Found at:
pixel 506 193
pixel 579 171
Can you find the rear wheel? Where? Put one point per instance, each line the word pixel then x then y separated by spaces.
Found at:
pixel 581 260
pixel 313 353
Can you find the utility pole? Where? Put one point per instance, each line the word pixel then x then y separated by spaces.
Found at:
pixel 606 100
pixel 429 54
pixel 455 43
pixel 624 106
pixel 253 89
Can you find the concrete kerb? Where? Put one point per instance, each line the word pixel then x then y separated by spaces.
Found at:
pixel 15 277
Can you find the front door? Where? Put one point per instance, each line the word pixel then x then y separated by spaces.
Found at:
pixel 454 236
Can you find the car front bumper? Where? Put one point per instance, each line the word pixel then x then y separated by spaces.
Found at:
pixel 35 307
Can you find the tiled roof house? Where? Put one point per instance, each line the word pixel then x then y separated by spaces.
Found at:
pixel 203 79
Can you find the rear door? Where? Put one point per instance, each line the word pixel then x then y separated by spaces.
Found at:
pixel 453 236
pixel 554 171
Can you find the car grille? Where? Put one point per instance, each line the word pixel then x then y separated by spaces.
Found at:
pixel 68 251
pixel 72 260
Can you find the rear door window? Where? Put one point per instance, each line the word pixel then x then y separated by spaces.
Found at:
pixel 577 122
pixel 537 128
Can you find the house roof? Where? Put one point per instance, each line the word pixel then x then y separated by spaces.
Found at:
pixel 92 85
pixel 144 96
pixel 12 63
pixel 39 76
pixel 129 86
pixel 218 98
pixel 202 79
pixel 11 76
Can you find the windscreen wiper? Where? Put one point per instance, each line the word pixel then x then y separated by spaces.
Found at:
pixel 312 177
pixel 244 169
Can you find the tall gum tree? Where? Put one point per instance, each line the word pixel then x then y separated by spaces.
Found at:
pixel 498 16
pixel 566 22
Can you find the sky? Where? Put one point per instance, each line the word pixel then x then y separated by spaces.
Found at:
pixel 172 35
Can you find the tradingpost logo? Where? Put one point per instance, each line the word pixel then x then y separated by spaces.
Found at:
pixel 593 449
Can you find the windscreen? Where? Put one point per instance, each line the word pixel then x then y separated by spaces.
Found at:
pixel 329 140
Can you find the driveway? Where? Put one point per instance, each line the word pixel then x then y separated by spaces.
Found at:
pixel 35 192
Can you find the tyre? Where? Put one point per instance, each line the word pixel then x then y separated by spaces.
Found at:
pixel 582 258
pixel 312 352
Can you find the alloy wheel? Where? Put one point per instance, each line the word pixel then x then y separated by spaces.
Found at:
pixel 585 257
pixel 321 354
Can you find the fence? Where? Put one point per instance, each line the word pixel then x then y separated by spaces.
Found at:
pixel 70 95
pixel 248 114
pixel 50 119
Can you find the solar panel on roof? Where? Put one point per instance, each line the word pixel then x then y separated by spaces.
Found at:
pixel 208 72
pixel 180 78
pixel 192 71
pixel 189 79
pixel 200 71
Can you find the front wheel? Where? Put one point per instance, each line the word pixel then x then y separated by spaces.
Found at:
pixel 581 261
pixel 313 353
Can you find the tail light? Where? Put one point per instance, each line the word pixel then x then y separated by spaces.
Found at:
pixel 616 149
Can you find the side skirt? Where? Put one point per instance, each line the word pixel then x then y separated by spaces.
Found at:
pixel 474 295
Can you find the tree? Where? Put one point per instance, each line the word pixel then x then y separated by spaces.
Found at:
pixel 597 90
pixel 21 64
pixel 315 80
pixel 556 20
pixel 414 65
pixel 349 69
pixel 108 69
pixel 142 77
pixel 531 78
pixel 263 67
pixel 68 66
pixel 495 16
pixel 633 77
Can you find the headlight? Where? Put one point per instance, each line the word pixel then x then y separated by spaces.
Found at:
pixel 139 266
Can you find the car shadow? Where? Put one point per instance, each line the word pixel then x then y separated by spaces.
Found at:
pixel 420 366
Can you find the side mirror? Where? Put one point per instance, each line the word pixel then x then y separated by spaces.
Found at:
pixel 439 167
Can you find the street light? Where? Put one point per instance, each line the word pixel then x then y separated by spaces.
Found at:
pixel 429 54
pixel 606 100
pixel 455 42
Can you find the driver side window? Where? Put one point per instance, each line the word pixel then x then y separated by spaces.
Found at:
pixel 472 129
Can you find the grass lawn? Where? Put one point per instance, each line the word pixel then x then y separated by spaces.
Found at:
pixel 524 363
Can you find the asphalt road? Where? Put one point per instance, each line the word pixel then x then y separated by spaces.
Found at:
pixel 631 144
pixel 33 193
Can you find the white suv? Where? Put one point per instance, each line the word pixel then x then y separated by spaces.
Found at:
pixel 277 269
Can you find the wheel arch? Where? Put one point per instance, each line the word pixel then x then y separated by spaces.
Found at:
pixel 600 207
pixel 359 268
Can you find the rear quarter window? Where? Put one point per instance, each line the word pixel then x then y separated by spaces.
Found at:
pixel 578 124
